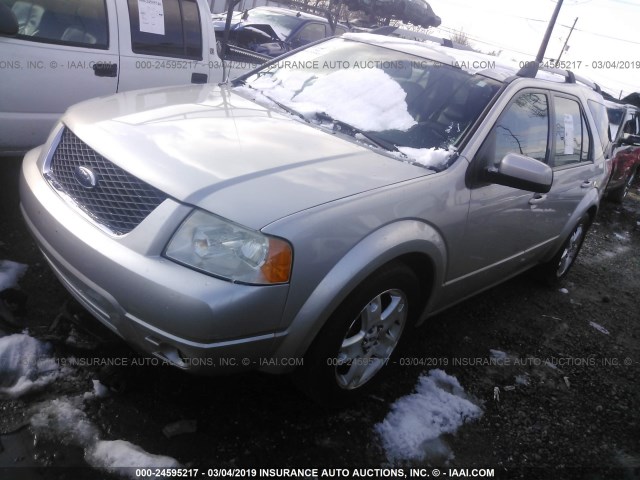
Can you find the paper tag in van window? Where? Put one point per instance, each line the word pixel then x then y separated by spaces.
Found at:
pixel 568 134
pixel 151 14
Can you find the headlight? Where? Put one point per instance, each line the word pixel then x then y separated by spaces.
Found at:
pixel 216 246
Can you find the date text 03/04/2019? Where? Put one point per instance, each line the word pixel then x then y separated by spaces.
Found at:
pixel 369 473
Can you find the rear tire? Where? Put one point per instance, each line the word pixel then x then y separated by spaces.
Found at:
pixel 620 193
pixel 353 349
pixel 556 269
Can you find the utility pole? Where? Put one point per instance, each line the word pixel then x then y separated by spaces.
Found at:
pixel 566 41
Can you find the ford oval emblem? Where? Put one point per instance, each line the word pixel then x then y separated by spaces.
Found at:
pixel 86 177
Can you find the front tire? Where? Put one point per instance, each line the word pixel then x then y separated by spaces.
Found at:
pixel 349 355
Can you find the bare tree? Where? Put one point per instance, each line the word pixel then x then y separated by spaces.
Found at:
pixel 459 36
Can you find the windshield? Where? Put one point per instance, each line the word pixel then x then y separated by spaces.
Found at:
pixel 420 107
pixel 281 24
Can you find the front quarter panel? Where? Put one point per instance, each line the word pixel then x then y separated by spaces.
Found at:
pixel 392 241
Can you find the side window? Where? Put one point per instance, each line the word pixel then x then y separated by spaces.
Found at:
pixel 81 23
pixel 523 128
pixel 310 33
pixel 340 30
pixel 170 28
pixel 572 140
pixel 602 118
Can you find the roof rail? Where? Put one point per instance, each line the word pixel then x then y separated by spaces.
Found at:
pixel 571 77
pixel 531 70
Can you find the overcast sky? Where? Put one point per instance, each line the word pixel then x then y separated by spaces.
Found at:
pixel 606 31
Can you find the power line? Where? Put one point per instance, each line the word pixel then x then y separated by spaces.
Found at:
pixel 604 36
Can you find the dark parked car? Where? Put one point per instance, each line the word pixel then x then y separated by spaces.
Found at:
pixel 273 31
pixel 624 122
pixel 417 12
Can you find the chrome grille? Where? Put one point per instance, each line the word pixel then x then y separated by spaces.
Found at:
pixel 119 201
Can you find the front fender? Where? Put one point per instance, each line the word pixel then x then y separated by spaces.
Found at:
pixel 395 241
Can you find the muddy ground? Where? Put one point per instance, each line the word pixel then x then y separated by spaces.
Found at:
pixel 565 366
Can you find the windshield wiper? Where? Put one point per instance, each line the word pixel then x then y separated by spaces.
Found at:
pixel 343 127
pixel 284 107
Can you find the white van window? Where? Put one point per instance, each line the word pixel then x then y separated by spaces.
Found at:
pixel 80 23
pixel 180 37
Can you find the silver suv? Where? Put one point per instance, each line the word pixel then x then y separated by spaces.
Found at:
pixel 309 215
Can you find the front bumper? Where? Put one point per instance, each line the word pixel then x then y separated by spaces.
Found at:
pixel 192 320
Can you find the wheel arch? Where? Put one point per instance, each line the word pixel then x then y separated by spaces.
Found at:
pixel 413 243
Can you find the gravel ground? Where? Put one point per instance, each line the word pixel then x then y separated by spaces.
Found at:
pixel 559 390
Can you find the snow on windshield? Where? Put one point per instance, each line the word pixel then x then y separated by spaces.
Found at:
pixel 367 99
pixel 429 157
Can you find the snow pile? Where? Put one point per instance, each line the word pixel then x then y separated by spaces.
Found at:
pixel 369 100
pixel 114 455
pixel 10 273
pixel 429 157
pixel 413 428
pixel 26 364
pixel 64 420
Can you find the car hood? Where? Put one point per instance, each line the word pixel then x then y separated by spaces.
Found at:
pixel 209 146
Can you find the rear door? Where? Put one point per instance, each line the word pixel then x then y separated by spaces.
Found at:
pixel 163 43
pixel 575 171
pixel 65 51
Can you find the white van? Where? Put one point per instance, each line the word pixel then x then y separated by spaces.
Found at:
pixel 54 53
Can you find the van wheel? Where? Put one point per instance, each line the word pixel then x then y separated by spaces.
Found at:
pixel 620 193
pixel 554 271
pixel 355 346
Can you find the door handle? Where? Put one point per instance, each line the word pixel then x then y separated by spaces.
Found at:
pixel 105 69
pixel 537 199
pixel 199 78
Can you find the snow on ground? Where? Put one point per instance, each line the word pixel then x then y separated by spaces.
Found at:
pixel 10 273
pixel 412 430
pixel 369 99
pixel 26 364
pixel 114 455
pixel 64 421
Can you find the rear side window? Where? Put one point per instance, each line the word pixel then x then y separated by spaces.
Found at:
pixel 168 28
pixel 523 128
pixel 603 123
pixel 81 23
pixel 572 141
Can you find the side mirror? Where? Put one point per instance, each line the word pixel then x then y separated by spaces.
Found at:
pixel 519 171
pixel 629 139
pixel 8 21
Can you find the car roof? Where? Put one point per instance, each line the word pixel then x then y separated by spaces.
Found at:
pixel 474 62
pixel 291 13
pixel 501 70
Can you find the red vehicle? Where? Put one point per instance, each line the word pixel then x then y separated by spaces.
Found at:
pixel 624 122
